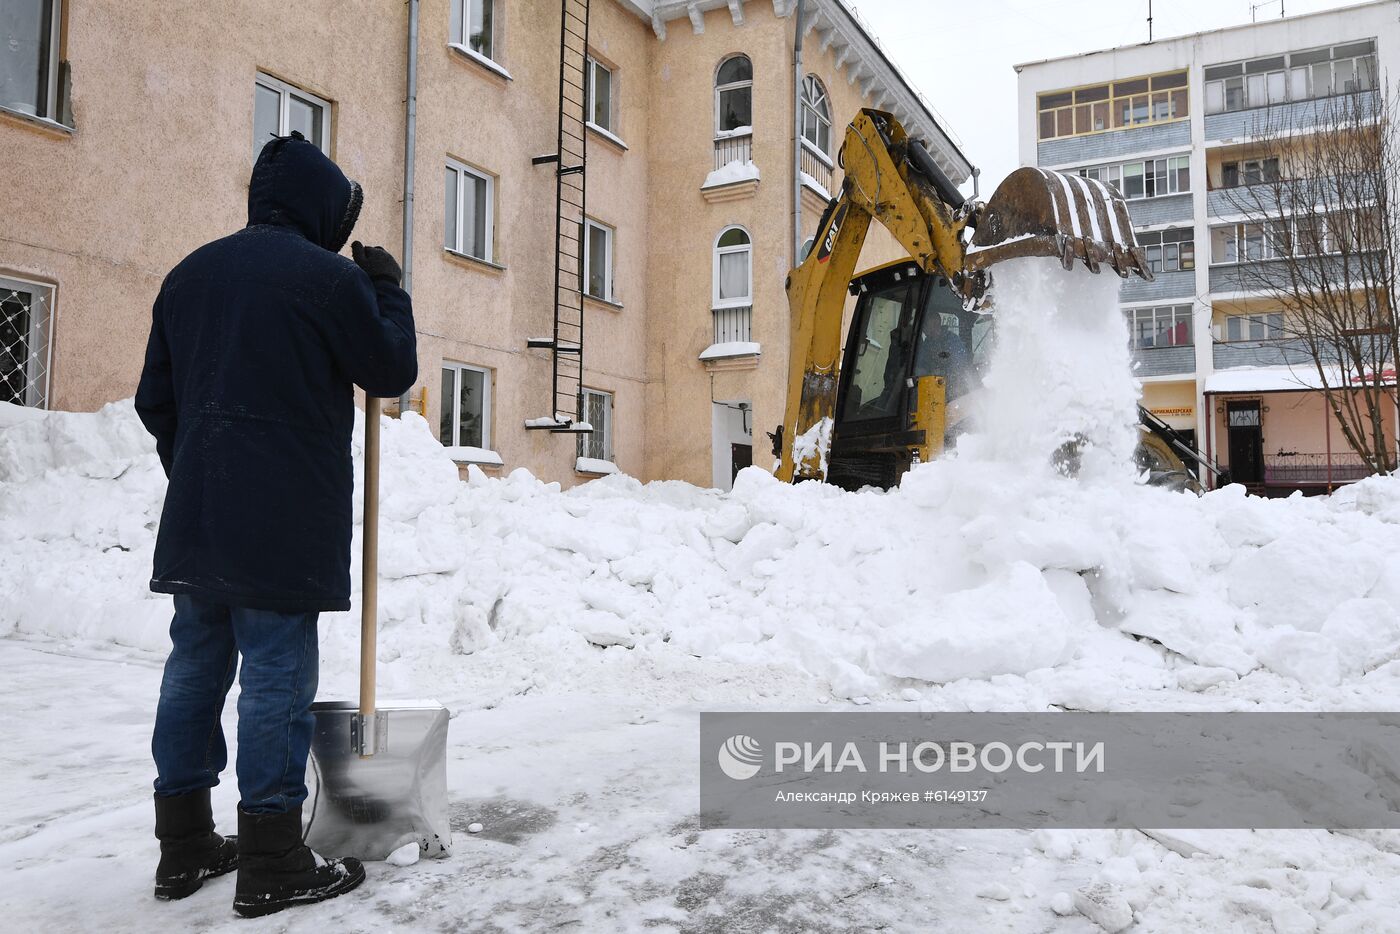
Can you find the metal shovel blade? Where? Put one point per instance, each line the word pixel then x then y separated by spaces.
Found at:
pixel 1037 212
pixel 369 806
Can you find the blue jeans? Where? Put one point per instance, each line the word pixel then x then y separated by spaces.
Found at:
pixel 277 681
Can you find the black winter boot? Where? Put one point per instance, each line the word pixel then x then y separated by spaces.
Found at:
pixel 190 850
pixel 276 870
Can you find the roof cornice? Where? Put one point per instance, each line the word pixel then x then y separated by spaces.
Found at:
pixel 835 28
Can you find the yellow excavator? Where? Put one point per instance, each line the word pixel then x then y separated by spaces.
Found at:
pixel 861 412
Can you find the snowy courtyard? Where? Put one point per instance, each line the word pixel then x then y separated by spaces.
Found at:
pixel 575 635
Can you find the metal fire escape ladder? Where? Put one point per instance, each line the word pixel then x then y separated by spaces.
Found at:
pixel 565 412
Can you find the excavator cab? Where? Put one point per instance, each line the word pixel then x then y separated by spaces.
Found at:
pixel 861 411
pixel 912 352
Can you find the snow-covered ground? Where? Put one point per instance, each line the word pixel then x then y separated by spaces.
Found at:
pixel 576 634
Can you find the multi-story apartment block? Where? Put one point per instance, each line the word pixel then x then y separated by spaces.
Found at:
pixel 1175 125
pixel 128 130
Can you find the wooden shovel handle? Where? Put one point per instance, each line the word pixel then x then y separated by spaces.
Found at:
pixel 369 587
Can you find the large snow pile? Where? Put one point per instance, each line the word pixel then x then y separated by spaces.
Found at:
pixel 971 570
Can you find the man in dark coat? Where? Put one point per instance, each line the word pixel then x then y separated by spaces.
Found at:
pixel 257 341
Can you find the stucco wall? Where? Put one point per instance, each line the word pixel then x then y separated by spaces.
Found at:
pixel 160 158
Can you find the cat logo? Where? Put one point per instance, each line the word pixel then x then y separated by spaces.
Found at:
pixel 829 241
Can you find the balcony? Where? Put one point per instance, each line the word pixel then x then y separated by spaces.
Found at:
pixel 734 347
pixel 733 146
pixel 1165 286
pixel 733 325
pixel 817 167
pixel 1107 145
pixel 1163 361
pixel 1282 118
pixel 1165 209
pixel 1272 276
pixel 1226 354
pixel 1264 199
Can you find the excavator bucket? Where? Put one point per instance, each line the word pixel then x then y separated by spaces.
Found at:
pixel 1036 212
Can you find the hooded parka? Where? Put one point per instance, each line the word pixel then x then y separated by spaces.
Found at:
pixel 256 340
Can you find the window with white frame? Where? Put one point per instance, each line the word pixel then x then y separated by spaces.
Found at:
pixel 733 269
pixel 26 318
pixel 1255 327
pixel 1166 326
pixel 279 108
pixel 598 412
pixel 29 57
pixel 1301 235
pixel 734 94
pixel 1171 250
pixel 598 95
pixel 816 115
pixel 1148 178
pixel 1248 171
pixel 465 417
pixel 1296 76
pixel 468 212
pixel 598 260
pixel 474 26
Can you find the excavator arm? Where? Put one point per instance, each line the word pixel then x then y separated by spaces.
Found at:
pixel 891 178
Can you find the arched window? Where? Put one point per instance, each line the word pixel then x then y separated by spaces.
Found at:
pixel 816 115
pixel 733 274
pixel 734 94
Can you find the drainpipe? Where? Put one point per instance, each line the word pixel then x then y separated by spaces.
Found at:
pixel 797 136
pixel 410 150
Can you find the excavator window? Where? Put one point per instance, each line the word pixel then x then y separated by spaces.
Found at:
pixel 884 321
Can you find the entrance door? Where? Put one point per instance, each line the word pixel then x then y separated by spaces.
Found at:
pixel 732 444
pixel 741 456
pixel 1246 441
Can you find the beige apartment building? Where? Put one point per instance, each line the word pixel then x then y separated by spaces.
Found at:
pixel 128 131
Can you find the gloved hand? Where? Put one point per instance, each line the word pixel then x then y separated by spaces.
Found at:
pixel 378 262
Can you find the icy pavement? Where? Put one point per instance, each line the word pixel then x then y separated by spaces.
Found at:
pixel 587 804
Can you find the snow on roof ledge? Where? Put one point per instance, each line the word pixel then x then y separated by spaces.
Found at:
pixel 1279 379
pixel 731 349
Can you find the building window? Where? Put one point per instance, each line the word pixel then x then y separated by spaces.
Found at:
pixel 1169 250
pixel 1148 178
pixel 598 260
pixel 1297 76
pixel 1303 235
pixel 734 94
pixel 1258 327
pixel 733 269
pixel 465 419
pixel 468 218
pixel 26 316
pixel 29 34
pixel 1248 172
pixel 598 95
pixel 1167 326
pixel 473 26
pixel 1114 105
pixel 597 411
pixel 279 108
pixel 816 115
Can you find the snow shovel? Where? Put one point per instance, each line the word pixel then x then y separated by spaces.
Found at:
pixel 381 770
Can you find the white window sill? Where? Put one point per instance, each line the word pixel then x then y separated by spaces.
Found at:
pixel 598 468
pixel 36 120
pixel 470 455
pixel 820 156
pixel 606 302
pixel 480 59
pixel 731 349
pixel 607 135
pixel 737 133
pixel 474 260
